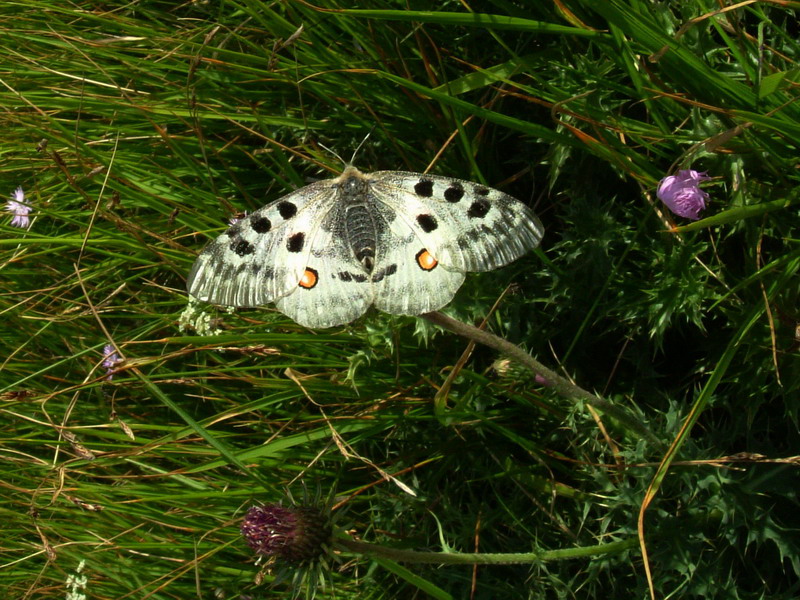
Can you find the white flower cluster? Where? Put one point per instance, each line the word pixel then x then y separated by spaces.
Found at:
pixel 76 584
pixel 192 317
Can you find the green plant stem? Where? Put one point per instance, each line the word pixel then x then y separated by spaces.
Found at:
pixel 480 558
pixel 561 385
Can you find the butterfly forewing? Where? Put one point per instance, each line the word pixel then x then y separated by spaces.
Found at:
pixel 263 256
pixel 466 226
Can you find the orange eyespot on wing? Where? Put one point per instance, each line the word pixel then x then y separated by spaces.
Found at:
pixel 309 279
pixel 425 260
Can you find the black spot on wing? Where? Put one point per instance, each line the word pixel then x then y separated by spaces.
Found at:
pixel 454 193
pixel 296 242
pixel 287 209
pixel 348 276
pixel 427 222
pixel 424 188
pixel 261 224
pixel 481 190
pixel 380 275
pixel 478 209
pixel 242 247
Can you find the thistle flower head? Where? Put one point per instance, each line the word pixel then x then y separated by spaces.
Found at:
pixel 17 207
pixel 681 193
pixel 295 534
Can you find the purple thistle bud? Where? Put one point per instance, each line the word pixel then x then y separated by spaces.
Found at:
pixel 296 534
pixel 17 207
pixel 110 360
pixel 682 194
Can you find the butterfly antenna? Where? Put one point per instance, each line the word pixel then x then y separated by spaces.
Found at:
pixel 324 147
pixel 366 137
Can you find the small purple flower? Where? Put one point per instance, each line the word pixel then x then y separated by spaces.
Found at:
pixel 110 360
pixel 682 194
pixel 17 207
pixel 297 534
pixel 234 220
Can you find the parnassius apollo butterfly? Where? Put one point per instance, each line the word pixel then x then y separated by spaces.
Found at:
pixel 401 241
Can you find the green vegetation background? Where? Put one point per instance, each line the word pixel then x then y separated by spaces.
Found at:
pixel 137 129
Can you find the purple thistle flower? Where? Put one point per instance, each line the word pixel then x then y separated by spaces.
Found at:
pixel 110 360
pixel 296 534
pixel 682 194
pixel 17 207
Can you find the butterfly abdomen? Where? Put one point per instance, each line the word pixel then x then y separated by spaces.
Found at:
pixel 361 234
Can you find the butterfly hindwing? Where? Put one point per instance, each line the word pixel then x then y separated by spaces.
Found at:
pixel 407 278
pixel 334 288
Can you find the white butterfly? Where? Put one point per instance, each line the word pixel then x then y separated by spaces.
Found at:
pixel 400 241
